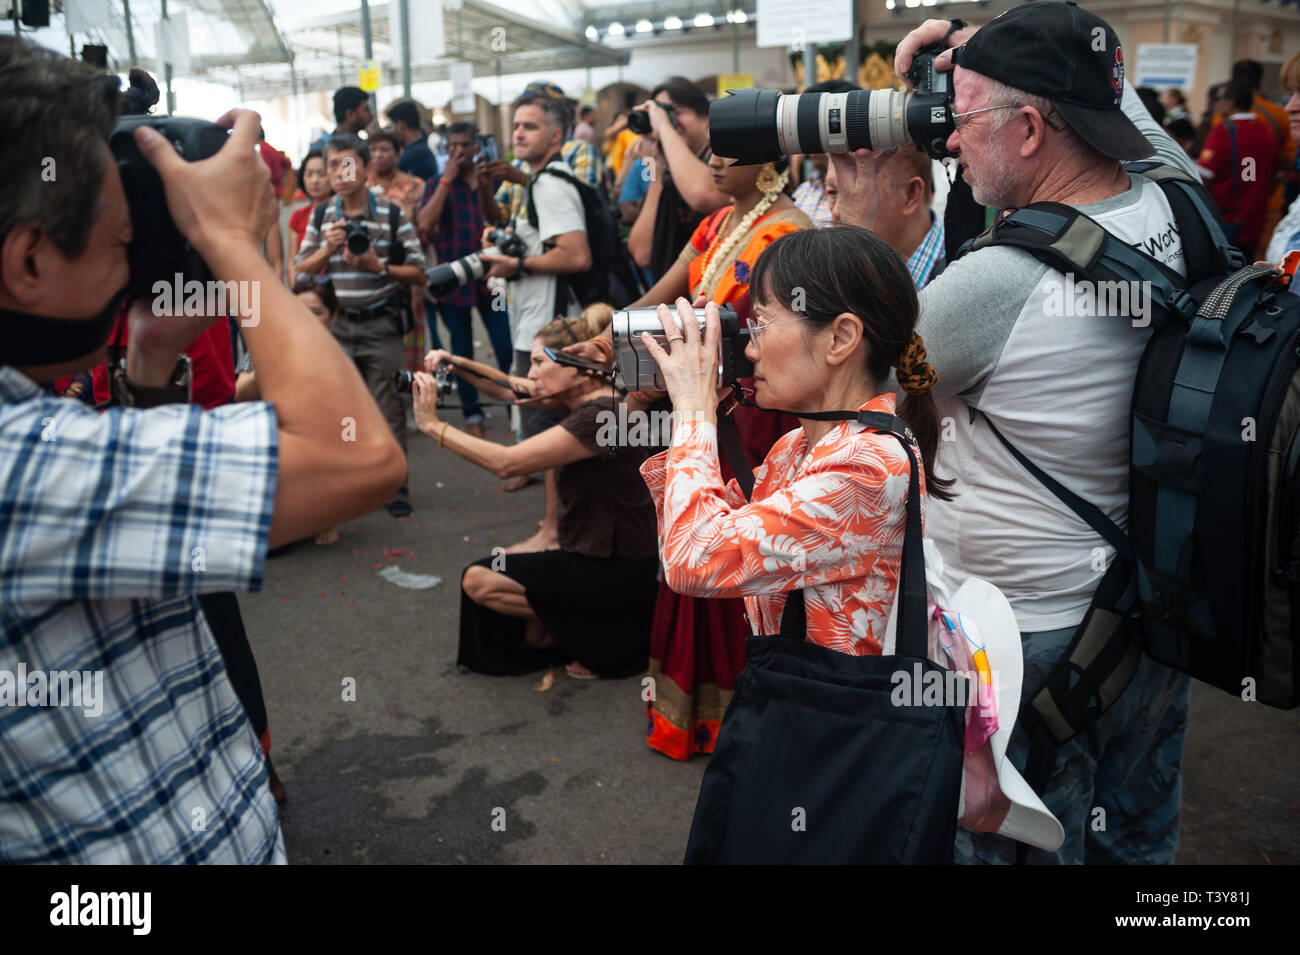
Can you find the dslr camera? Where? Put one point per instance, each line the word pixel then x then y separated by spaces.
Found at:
pixel 639 122
pixel 355 237
pixel 447 276
pixel 757 126
pixel 158 251
pixel 404 382
pixel 638 369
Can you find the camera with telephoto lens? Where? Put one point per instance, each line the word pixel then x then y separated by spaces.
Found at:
pixel 404 382
pixel 639 370
pixel 158 251
pixel 355 237
pixel 447 276
pixel 639 121
pixel 757 126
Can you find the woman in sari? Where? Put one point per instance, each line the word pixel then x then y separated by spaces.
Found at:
pixel 697 646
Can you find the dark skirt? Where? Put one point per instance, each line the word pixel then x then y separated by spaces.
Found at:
pixel 599 609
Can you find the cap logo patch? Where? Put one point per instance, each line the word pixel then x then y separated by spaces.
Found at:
pixel 1117 73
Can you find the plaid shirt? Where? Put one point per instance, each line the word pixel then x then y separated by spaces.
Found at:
pixel 110 524
pixel 579 156
pixel 459 232
pixel 921 263
pixel 811 199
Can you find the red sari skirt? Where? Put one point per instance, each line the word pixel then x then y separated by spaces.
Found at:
pixel 697 645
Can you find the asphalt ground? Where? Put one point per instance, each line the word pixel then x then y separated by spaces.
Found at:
pixel 432 765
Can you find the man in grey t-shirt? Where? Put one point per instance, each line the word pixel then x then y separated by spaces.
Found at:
pixel 1042 113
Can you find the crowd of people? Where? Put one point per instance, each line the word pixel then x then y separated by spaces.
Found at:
pixel 840 268
pixel 1244 147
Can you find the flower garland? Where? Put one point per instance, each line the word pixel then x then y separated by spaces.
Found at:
pixel 717 255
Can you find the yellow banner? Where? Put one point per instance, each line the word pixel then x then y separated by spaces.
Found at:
pixel 734 81
pixel 368 78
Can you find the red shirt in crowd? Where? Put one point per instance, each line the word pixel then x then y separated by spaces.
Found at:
pixel 1241 193
pixel 276 161
pixel 212 366
pixel 299 219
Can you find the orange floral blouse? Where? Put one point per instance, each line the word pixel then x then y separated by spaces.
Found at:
pixel 830 520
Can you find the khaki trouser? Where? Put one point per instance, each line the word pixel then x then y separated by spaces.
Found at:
pixel 375 345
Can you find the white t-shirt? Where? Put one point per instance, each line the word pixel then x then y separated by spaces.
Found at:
pixel 1059 387
pixel 532 298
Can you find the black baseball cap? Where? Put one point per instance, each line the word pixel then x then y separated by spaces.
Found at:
pixel 1065 54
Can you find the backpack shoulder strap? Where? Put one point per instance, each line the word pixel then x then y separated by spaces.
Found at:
pixel 396 251
pixel 318 216
pixel 531 207
pixel 1206 248
pixel 1087 512
pixel 1073 243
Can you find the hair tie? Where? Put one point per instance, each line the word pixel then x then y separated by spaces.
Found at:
pixel 915 375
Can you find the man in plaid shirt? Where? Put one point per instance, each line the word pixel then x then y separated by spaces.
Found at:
pixel 111 524
pixel 455 209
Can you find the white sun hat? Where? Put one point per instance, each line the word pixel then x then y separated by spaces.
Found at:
pixel 979 602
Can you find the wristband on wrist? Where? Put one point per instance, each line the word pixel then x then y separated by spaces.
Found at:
pixel 445 181
pixel 130 395
pixel 522 269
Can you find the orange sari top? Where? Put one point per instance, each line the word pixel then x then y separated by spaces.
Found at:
pixel 732 283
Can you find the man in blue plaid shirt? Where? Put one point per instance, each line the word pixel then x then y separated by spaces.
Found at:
pixel 112 524
pixel 452 216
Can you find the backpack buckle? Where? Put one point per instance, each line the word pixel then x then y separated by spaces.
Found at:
pixel 1181 301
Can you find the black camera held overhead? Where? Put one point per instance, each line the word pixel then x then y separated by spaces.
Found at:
pixel 158 251
pixel 447 276
pixel 757 126
pixel 639 120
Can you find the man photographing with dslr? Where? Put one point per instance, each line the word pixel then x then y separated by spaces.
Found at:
pixel 1042 113
pixel 371 251
pixel 115 522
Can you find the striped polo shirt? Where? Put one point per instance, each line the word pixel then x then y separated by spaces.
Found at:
pixel 356 287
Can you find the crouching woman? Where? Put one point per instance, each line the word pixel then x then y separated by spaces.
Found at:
pixel 588 604
pixel 828 509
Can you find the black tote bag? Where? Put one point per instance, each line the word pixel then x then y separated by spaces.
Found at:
pixel 814 764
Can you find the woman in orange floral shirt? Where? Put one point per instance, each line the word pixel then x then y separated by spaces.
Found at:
pixel 828 508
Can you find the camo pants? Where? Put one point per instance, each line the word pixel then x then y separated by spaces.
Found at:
pixel 1116 788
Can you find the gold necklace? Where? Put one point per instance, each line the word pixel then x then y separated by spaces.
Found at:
pixel 717 242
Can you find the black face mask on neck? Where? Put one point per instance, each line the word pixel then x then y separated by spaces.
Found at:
pixel 28 340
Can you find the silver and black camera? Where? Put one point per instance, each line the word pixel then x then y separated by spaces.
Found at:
pixel 638 368
pixel 757 126
pixel 447 276
pixel 404 381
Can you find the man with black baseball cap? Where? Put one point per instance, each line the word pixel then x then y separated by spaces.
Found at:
pixel 1042 113
pixel 1068 56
